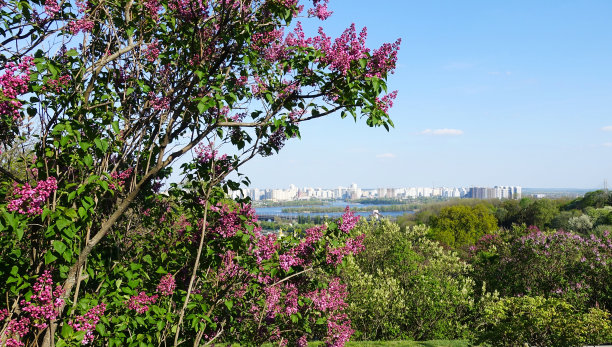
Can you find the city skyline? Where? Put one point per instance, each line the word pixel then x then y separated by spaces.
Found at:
pixel 488 92
pixel 353 192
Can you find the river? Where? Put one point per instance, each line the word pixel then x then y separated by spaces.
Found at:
pixel 278 211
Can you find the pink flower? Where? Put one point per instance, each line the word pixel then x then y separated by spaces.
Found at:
pixel 349 220
pixel 140 303
pixel 88 322
pixel 166 285
pixel 30 200
pixel 320 10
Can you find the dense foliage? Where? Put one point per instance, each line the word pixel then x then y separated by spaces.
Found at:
pixel 112 94
pixel 537 321
pixel 406 286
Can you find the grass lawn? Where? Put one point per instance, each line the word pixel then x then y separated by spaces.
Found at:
pixel 431 343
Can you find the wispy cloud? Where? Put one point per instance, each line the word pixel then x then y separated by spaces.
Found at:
pixel 385 155
pixel 607 128
pixel 442 132
pixel 607 144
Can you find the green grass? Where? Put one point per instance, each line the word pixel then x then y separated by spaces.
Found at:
pixel 431 343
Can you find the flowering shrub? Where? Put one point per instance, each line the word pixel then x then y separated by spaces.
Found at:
pixel 405 286
pixel 120 91
pixel 555 264
pixel 538 321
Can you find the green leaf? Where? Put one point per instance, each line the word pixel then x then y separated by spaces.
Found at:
pixel 70 212
pixel 59 246
pixel 88 160
pixel 115 125
pixel 49 257
pixel 229 304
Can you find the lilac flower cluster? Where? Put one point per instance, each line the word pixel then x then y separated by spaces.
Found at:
pixel 82 24
pixel 229 268
pixel 266 247
pixel 320 9
pixel 383 59
pixel 119 178
pixel 158 103
pixel 14 81
pixel 352 246
pixel 386 102
pixel 346 49
pixel 88 322
pixel 30 200
pixel 140 303
pixel 349 220
pixel 52 7
pixel 152 52
pixel 229 221
pixel 42 308
pixel 153 7
pixel 166 285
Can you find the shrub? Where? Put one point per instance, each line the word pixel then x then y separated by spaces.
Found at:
pixel 406 286
pixel 538 321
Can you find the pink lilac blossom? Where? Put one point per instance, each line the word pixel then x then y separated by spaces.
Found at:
pixel 80 25
pixel 273 295
pixel 4 313
pixel 140 303
pixel 346 49
pixel 289 259
pixel 297 37
pixel 166 285
pixel 383 59
pixel 353 246
pixel 189 10
pixel 88 322
pixel 320 10
pixel 349 220
pixel 52 7
pixel 229 269
pixel 18 327
pixel 119 178
pixel 57 84
pixel 153 7
pixel 14 82
pixel 30 200
pixel 231 221
pixel 291 299
pixel 158 104
pixel 302 341
pixel 45 303
pixel 152 51
pixel 386 102
pixel 330 299
pixel 266 248
pixel 13 343
pixel 339 330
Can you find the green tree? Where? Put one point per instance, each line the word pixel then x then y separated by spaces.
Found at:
pixel 461 225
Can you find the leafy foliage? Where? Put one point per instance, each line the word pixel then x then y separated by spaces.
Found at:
pixel 537 321
pixel 406 286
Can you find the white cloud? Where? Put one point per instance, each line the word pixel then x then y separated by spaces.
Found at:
pixel 607 144
pixel 385 155
pixel 607 128
pixel 442 132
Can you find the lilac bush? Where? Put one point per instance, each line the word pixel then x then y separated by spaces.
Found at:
pixel 118 92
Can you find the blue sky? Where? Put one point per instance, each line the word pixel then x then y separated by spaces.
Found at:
pixel 490 93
